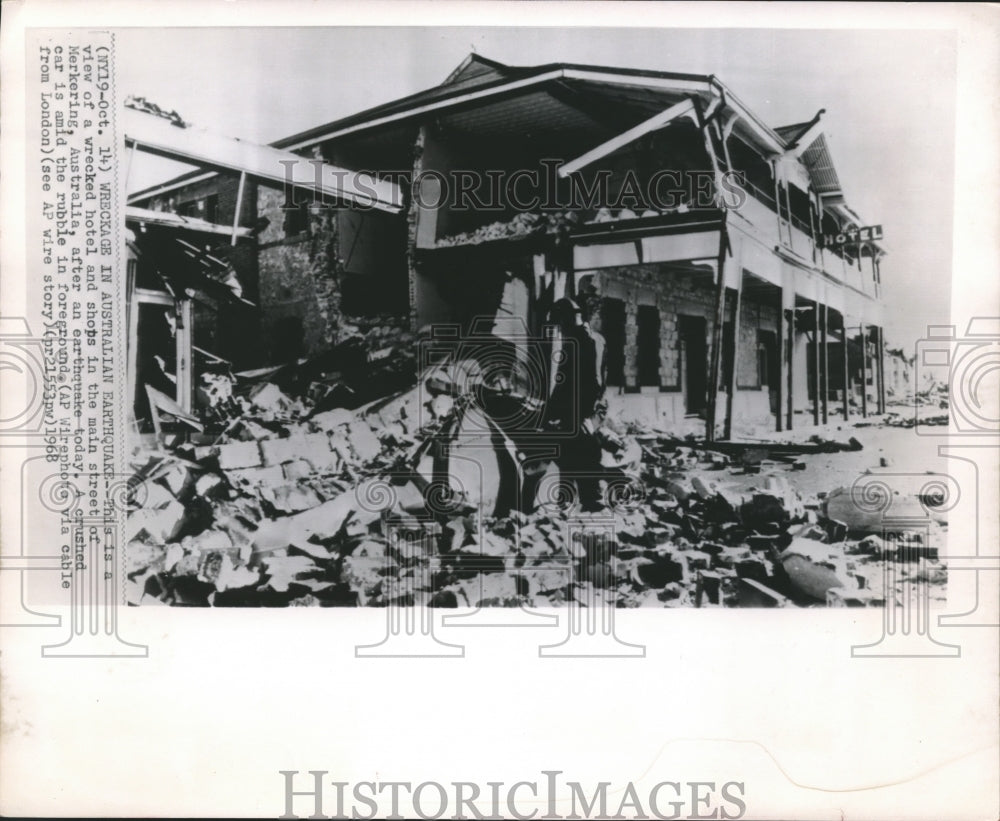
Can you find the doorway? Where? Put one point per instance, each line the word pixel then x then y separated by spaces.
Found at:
pixel 694 359
pixel 613 331
pixel 768 366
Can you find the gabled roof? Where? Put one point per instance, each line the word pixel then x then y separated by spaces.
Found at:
pixel 473 67
pixel 550 92
pixel 792 134
pixel 477 75
pixel 789 133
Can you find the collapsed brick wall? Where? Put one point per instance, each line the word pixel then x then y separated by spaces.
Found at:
pixel 293 279
pixel 299 280
pixel 302 276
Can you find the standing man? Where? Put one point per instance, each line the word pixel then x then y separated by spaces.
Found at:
pixel 576 402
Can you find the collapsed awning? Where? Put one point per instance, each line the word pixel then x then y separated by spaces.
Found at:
pixel 167 138
pixel 181 267
pixel 171 220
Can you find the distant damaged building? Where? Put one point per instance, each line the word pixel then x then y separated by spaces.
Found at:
pixel 716 255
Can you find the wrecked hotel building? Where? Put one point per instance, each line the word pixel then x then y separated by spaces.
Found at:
pixel 282 300
pixel 609 185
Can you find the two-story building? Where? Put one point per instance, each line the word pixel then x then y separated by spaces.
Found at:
pixel 691 230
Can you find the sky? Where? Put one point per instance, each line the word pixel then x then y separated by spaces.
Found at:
pixel 889 97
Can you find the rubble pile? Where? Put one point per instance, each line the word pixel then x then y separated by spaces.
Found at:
pixel 522 224
pixel 929 406
pixel 296 505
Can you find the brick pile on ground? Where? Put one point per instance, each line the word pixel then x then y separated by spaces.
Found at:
pixel 296 507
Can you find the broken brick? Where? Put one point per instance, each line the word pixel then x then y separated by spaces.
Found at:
pixel 324 521
pixel 238 455
pixel 330 420
pixel 175 477
pixel 811 568
pixel 838 597
pixel 289 498
pixel 363 442
pixel 206 483
pixel 752 569
pixel 494 590
pixel 708 588
pixel 299 469
pixel 252 477
pixel 311 446
pixel 753 593
pixel 546 579
pixel 268 397
pixel 159 526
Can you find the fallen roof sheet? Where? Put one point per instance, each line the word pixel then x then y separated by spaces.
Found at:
pixel 158 136
pixel 172 220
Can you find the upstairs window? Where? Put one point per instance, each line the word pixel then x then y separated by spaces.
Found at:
pixel 204 208
pixel 297 220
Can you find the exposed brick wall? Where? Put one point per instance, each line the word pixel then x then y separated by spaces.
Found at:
pixel 225 186
pixel 673 292
pixel 294 280
pixel 299 281
pixel 233 332
pixel 676 293
pixel 754 316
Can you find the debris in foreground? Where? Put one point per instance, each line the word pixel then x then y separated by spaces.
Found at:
pixel 299 504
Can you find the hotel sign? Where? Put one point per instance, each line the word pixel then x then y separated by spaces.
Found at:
pixel 850 236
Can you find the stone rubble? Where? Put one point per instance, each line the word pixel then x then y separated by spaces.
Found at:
pixel 295 506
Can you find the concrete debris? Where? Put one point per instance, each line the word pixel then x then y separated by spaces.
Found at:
pixel 297 502
pixel 872 509
pixel 813 567
pixel 157 525
pixel 330 420
pixel 269 398
pixel 753 593
pixel 238 455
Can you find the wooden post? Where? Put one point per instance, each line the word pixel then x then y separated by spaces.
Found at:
pixel 782 374
pixel 880 353
pixel 813 215
pixel 825 375
pixel 815 379
pixel 239 205
pixel 788 210
pixel 731 387
pixel 720 318
pixel 183 348
pixel 777 198
pixel 128 162
pixel 720 291
pixel 791 365
pixel 864 371
pixel 847 370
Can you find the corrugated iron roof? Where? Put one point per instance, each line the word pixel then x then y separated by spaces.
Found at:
pixel 172 220
pixel 819 163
